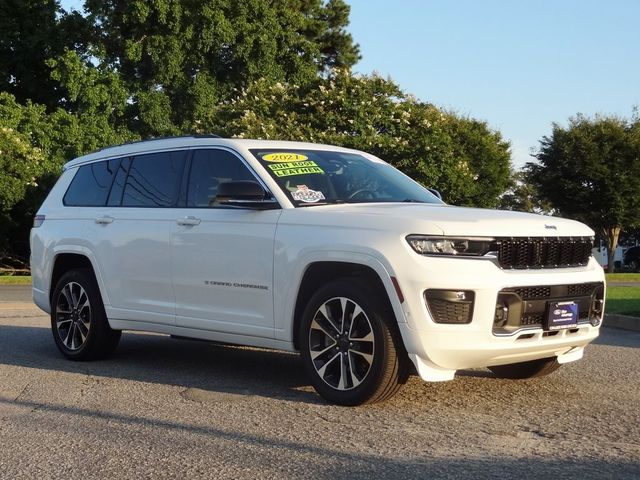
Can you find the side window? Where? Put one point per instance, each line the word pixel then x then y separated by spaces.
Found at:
pixel 115 196
pixel 209 168
pixel 153 180
pixel 91 185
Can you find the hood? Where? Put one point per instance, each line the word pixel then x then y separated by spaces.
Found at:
pixel 437 219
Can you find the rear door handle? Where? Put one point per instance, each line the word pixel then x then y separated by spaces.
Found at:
pixel 188 221
pixel 104 220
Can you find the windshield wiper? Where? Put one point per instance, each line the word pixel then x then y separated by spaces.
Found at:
pixel 326 202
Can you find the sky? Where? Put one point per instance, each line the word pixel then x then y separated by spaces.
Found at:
pixel 519 65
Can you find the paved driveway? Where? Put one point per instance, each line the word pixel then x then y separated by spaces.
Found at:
pixel 164 408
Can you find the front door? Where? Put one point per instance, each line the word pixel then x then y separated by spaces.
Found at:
pixel 222 257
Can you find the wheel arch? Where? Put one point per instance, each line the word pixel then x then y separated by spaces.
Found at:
pixel 65 260
pixel 319 273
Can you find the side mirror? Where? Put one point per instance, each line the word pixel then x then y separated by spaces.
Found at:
pixel 247 194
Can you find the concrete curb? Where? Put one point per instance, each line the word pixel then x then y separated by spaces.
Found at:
pixel 17 306
pixel 19 310
pixel 625 322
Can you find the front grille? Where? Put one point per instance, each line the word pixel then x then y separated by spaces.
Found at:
pixel 543 252
pixel 582 288
pixel 529 293
pixel 540 292
pixel 532 319
pixel 521 307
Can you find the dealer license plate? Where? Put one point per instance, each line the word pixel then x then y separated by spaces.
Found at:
pixel 561 315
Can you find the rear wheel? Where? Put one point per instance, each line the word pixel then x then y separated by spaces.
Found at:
pixel 534 368
pixel 78 320
pixel 348 345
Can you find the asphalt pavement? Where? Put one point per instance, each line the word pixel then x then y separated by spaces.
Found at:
pixel 164 408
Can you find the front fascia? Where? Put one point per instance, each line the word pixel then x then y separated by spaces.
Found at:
pixel 473 345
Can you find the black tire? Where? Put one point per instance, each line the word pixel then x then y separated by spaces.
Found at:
pixel 534 368
pixel 356 370
pixel 78 320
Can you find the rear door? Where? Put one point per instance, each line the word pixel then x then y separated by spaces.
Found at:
pixel 133 234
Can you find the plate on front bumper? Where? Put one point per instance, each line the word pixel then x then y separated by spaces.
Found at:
pixel 561 315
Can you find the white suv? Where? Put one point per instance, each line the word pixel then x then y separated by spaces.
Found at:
pixel 311 248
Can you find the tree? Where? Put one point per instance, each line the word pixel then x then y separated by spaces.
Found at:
pixel 179 57
pixel 34 145
pixel 461 157
pixel 98 99
pixel 31 32
pixel 20 166
pixel 590 171
pixel 630 237
pixel 486 153
pixel 134 69
pixel 523 196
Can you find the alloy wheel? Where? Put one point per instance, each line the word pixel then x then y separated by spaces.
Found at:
pixel 73 316
pixel 341 343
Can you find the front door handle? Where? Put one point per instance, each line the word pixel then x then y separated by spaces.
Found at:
pixel 105 220
pixel 188 221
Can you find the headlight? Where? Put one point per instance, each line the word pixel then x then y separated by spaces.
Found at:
pixel 459 246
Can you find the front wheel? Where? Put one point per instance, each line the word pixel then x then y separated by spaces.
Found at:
pixel 522 370
pixel 348 344
pixel 78 320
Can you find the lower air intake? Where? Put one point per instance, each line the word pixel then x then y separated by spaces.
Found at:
pixel 450 306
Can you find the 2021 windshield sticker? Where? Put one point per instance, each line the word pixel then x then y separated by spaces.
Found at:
pixel 306 195
pixel 284 157
pixel 296 168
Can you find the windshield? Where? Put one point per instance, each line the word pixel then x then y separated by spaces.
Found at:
pixel 315 177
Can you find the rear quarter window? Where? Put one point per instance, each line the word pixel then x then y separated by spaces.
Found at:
pixel 91 184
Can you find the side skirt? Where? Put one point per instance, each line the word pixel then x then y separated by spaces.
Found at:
pixel 229 338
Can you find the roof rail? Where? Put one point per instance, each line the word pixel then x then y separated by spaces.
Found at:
pixel 196 135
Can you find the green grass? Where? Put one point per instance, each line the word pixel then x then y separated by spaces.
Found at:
pixel 623 300
pixel 623 277
pixel 15 280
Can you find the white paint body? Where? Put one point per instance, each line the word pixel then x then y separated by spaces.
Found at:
pixel 153 272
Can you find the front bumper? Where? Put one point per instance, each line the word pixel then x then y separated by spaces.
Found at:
pixel 438 349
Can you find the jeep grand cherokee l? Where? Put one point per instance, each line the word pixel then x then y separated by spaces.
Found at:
pixel 312 248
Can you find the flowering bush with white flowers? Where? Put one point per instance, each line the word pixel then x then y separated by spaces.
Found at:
pixel 463 158
pixel 20 166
